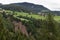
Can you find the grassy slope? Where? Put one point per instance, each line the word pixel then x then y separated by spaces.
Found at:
pixel 57 18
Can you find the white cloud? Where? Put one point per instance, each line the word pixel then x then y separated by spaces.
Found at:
pixel 51 4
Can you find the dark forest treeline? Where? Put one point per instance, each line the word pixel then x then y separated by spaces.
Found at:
pixel 37 29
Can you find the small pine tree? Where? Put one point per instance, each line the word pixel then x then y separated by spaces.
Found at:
pixel 51 27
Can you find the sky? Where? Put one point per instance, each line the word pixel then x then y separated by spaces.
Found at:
pixel 51 4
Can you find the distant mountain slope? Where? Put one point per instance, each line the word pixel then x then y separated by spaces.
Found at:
pixel 56 12
pixel 0 4
pixel 26 7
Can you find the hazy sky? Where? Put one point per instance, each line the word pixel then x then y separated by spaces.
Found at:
pixel 51 4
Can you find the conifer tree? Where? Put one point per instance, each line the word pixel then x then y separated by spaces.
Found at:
pixel 51 27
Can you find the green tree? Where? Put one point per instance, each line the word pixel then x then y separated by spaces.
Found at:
pixel 51 27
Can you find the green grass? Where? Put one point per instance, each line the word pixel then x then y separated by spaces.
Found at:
pixel 57 18
pixel 30 15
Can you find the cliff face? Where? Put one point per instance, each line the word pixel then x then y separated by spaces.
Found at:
pixel 19 26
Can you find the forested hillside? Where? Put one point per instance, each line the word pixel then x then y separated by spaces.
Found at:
pixel 25 7
pixel 14 28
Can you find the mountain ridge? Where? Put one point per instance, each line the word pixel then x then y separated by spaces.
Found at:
pixel 27 7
